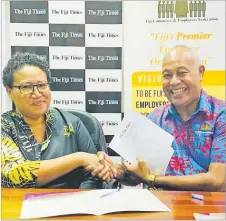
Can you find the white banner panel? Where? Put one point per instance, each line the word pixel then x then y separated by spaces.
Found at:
pixel 103 80
pixel 104 35
pixel 109 122
pixel 72 100
pixel 29 34
pixel 67 12
pixel 67 57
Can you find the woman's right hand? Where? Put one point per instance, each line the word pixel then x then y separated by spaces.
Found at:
pixel 97 165
pixel 88 159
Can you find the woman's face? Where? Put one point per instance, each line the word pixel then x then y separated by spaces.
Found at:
pixel 35 104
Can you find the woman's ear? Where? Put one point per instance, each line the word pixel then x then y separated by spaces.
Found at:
pixel 9 92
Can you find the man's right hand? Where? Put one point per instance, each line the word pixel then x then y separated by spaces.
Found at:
pixel 140 170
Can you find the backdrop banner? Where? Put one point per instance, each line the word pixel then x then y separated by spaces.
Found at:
pixel 82 41
pixel 151 28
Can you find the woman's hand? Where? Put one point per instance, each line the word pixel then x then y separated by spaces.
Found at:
pixel 87 159
pixel 104 169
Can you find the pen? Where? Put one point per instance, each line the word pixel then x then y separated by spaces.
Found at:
pixel 119 186
pixel 197 196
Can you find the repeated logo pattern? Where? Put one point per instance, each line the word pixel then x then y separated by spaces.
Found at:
pixel 82 41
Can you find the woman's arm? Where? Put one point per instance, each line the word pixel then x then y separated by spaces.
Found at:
pixel 18 172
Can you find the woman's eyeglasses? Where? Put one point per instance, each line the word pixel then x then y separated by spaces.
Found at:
pixel 29 89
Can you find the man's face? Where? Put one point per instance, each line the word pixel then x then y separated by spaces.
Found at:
pixel 32 105
pixel 182 78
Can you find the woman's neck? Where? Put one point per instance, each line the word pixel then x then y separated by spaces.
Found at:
pixel 34 122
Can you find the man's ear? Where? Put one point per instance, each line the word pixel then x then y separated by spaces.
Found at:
pixel 201 71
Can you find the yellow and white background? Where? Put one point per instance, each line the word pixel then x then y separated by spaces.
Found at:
pixel 151 28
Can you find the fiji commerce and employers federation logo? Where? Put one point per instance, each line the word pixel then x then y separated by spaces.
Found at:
pixel 181 9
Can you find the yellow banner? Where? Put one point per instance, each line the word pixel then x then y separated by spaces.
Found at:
pixel 147 93
pixel 154 78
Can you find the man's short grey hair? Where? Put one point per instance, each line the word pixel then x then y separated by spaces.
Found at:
pixel 19 60
pixel 185 48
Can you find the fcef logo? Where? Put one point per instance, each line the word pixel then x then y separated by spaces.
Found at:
pixel 181 9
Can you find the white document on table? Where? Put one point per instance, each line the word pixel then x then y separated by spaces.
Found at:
pixel 139 136
pixel 94 202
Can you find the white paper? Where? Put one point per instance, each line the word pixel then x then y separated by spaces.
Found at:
pixel 91 202
pixel 212 216
pixel 131 200
pixel 139 136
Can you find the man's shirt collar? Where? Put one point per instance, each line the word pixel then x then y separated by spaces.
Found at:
pixel 203 106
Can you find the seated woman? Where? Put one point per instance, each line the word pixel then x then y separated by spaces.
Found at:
pixel 43 146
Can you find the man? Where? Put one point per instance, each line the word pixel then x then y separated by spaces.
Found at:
pixel 196 120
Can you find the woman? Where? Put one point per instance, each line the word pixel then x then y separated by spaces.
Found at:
pixel 43 146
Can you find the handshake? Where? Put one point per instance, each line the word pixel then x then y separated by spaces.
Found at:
pixel 101 165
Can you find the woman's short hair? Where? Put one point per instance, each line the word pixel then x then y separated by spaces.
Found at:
pixel 18 60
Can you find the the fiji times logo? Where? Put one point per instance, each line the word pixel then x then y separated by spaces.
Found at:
pixel 66 12
pixel 181 11
pixel 67 80
pixel 70 34
pixel 103 35
pixel 104 12
pixel 67 57
pixel 103 80
pixel 103 58
pixel 109 123
pixel 30 34
pixel 103 102
pixel 68 102
pixel 30 11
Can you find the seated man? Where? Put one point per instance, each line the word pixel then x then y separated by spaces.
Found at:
pixel 196 120
pixel 42 146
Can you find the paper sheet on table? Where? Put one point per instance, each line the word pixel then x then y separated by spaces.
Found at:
pixel 139 136
pixel 91 202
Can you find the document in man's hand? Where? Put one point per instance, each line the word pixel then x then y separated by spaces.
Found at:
pixel 94 202
pixel 139 136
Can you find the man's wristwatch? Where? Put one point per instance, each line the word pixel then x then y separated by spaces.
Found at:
pixel 151 181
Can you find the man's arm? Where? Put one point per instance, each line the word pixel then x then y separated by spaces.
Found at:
pixel 213 180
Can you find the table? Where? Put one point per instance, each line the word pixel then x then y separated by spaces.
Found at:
pixel 181 204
